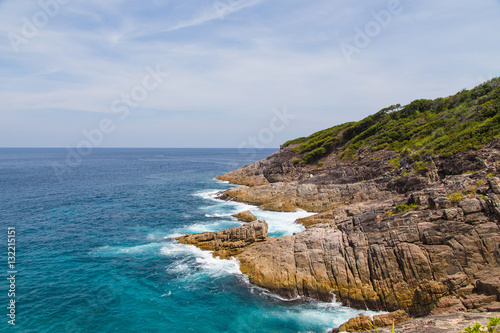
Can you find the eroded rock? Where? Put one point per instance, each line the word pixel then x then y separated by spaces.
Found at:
pixel 229 242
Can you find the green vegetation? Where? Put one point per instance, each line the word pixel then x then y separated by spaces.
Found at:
pixel 467 120
pixel 395 162
pixel 314 155
pixel 455 197
pixel 415 157
pixel 296 161
pixel 478 328
pixel 404 208
pixel 480 182
pixel 320 164
pixel 490 175
pixel 422 167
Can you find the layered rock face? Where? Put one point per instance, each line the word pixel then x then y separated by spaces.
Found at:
pixel 311 197
pixel 229 242
pixel 404 261
pixel 280 168
pixel 276 183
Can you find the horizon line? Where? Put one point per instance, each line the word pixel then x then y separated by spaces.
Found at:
pixel 142 148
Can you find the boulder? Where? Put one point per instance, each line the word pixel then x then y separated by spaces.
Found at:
pixel 357 324
pixel 490 285
pixel 245 216
pixel 365 323
pixel 384 320
pixel 471 206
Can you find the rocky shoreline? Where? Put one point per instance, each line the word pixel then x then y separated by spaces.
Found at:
pixel 385 238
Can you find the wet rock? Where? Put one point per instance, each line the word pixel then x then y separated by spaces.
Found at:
pixel 245 216
pixel 229 242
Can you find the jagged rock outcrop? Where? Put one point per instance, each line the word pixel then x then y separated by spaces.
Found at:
pixel 245 216
pixel 229 242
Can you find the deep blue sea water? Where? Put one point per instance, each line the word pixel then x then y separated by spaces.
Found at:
pixel 95 251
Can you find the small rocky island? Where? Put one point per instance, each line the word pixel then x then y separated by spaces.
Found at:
pixel 408 211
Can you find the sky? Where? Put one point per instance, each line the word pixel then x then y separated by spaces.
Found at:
pixel 228 73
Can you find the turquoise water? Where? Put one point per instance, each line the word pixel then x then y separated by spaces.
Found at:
pixel 95 251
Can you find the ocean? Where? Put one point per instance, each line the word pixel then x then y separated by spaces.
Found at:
pixel 94 248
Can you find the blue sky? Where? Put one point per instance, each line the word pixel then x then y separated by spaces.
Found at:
pixel 232 66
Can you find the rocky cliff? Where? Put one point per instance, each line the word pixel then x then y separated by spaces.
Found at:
pixel 386 261
pixel 402 240
pixel 410 224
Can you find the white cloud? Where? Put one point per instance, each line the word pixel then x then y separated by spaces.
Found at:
pixel 241 65
pixel 218 10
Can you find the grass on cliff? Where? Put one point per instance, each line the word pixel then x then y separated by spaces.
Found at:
pixel 444 126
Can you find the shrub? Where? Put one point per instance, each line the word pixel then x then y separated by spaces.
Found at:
pixel 395 162
pixel 314 155
pixel 480 182
pixel 296 161
pixel 415 157
pixel 478 328
pixel 455 197
pixel 404 208
pixel 422 167
pixel 320 164
pixel 444 126
pixel 349 153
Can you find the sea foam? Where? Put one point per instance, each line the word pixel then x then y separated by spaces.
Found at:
pixel 280 223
